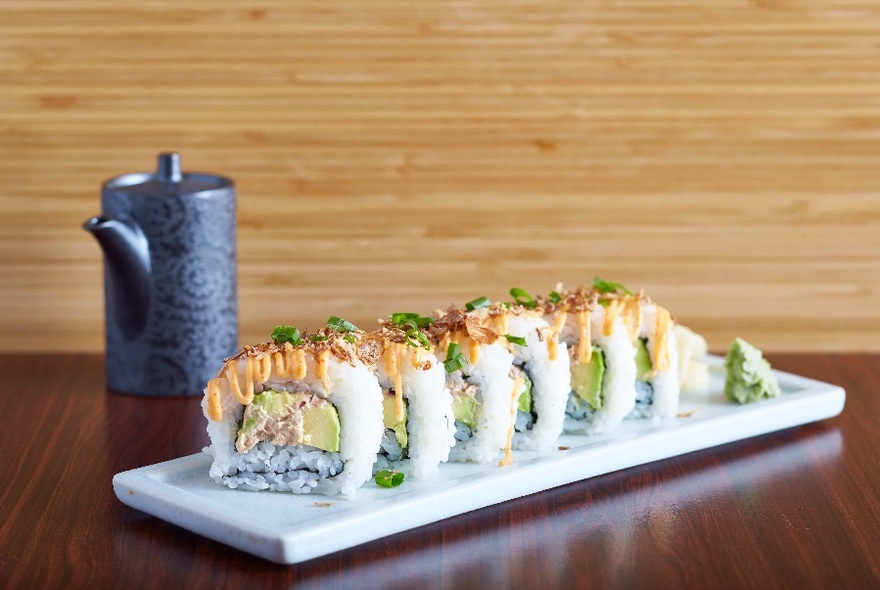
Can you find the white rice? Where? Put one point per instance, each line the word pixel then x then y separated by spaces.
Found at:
pixel 618 385
pixel 491 375
pixel 551 381
pixel 430 423
pixel 355 393
pixel 665 384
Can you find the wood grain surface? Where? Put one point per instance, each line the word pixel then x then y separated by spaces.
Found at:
pixel 793 509
pixel 399 155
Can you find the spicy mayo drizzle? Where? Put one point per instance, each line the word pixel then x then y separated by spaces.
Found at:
pixel 514 398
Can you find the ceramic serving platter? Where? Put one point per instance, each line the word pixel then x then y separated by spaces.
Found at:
pixel 287 528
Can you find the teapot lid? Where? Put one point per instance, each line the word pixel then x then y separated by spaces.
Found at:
pixel 168 180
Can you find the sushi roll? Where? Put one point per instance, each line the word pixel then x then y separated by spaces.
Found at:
pixel 650 329
pixel 543 361
pixel 478 368
pixel 417 405
pixel 540 362
pixel 302 413
pixel 601 356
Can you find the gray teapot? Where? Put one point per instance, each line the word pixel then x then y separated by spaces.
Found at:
pixel 170 290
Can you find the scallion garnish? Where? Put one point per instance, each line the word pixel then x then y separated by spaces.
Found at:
pixel 424 321
pixel 340 325
pixel 518 340
pixel 554 297
pixel 318 338
pixel 349 338
pixel 389 479
pixel 477 303
pixel 454 358
pixel 411 319
pixel 282 334
pixel 415 337
pixel 609 286
pixel 522 297
pixel 402 317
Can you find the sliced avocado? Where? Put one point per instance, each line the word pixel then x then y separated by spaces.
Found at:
pixel 321 427
pixel 274 403
pixel 525 398
pixel 389 409
pixel 586 379
pixel 464 408
pixel 643 361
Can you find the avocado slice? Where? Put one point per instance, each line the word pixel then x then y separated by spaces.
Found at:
pixel 389 410
pixel 586 379
pixel 320 421
pixel 525 398
pixel 643 361
pixel 464 408
pixel 321 427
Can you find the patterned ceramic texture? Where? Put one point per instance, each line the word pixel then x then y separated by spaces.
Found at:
pixel 192 318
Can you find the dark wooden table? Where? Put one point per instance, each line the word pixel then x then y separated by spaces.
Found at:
pixel 798 508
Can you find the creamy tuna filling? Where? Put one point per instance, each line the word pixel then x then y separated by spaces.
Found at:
pixel 286 418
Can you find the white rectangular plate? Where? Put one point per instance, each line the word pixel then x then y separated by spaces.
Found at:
pixel 288 528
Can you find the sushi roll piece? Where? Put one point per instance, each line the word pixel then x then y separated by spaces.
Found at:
pixel 478 368
pixel 541 362
pixel 302 413
pixel 602 359
pixel 417 405
pixel 650 329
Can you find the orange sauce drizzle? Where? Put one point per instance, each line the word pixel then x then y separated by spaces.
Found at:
pixel 321 369
pixel 661 339
pixel 632 316
pixel 215 412
pixel 392 358
pixel 232 377
pixel 418 357
pixel 585 346
pixel 299 367
pixel 553 337
pixel 263 370
pixel 281 367
pixel 474 355
pixel 501 324
pixel 514 398
pixel 611 314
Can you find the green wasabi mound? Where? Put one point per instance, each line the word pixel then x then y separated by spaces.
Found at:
pixel 749 378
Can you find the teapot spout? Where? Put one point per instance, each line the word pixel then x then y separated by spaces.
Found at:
pixel 127 257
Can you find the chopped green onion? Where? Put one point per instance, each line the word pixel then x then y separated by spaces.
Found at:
pixel 340 325
pixel 415 337
pixel 609 286
pixel 518 340
pixel 454 358
pixel 318 338
pixel 349 338
pixel 401 317
pixel 424 322
pixel 522 297
pixel 410 319
pixel 477 303
pixel 389 479
pixel 554 297
pixel 604 302
pixel 282 334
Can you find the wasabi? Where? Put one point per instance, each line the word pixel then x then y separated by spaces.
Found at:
pixel 749 378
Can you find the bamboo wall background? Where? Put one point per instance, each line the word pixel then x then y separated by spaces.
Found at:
pixel 394 155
